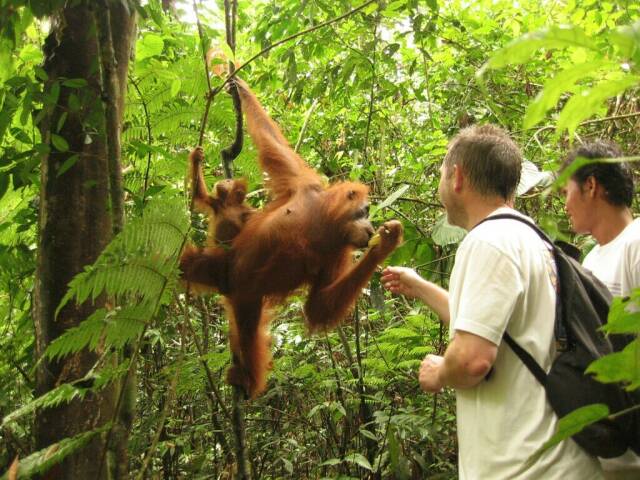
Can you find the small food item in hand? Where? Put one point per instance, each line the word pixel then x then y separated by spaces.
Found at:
pixel 375 240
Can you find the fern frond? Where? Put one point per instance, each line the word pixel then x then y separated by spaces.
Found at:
pixel 174 116
pixel 139 263
pixel 87 334
pixel 42 460
pixel 59 395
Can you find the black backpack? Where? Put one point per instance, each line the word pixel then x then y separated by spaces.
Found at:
pixel 582 308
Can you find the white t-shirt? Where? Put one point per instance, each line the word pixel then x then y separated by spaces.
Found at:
pixel 503 279
pixel 617 265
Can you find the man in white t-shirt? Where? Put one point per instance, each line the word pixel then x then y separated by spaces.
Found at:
pixel 598 201
pixel 502 281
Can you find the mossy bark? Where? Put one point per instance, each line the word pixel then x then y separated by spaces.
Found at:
pixel 76 222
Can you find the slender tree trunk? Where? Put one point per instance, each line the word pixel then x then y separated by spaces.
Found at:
pixel 75 222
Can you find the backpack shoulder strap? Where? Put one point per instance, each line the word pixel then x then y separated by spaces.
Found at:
pixel 526 358
pixel 511 216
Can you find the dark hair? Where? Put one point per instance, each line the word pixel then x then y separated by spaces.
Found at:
pixel 488 157
pixel 615 178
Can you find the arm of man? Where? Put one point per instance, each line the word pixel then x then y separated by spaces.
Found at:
pixel 406 281
pixel 465 364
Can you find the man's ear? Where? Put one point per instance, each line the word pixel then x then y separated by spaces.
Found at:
pixel 591 186
pixel 458 178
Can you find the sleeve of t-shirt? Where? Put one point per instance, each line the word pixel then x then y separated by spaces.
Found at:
pixel 632 267
pixel 491 286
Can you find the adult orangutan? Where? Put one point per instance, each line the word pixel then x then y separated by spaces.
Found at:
pixel 304 236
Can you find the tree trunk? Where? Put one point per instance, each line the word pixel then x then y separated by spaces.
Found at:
pixel 76 224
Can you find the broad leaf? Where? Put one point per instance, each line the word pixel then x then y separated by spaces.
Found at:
pixel 571 424
pixel 444 233
pixel 623 367
pixel 588 102
pixel 522 49
pixel 555 87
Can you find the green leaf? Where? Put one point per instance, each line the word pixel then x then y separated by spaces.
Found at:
pixel 175 86
pixel 75 83
pixel 61 120
pixel 444 233
pixel 622 320
pixel 588 102
pixel 368 10
pixel 358 459
pixel 42 460
pixel 571 424
pixel 59 143
pixel 555 87
pixel 367 434
pixel 67 164
pixel 623 367
pixel 150 46
pixel 579 162
pixel 390 199
pixel 627 39
pixel 522 49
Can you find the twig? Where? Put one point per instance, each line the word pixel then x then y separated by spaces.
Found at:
pixel 398 212
pixel 289 38
pixel 305 124
pixel 147 121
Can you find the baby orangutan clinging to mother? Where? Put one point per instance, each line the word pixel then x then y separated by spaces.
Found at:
pixel 304 236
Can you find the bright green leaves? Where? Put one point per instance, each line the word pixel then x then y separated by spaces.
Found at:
pixel 151 45
pixel 521 50
pixel 137 266
pixel 624 316
pixel 564 81
pixel 600 74
pixel 622 367
pixel 627 39
pixel 591 101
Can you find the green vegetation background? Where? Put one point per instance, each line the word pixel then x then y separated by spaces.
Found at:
pixel 373 98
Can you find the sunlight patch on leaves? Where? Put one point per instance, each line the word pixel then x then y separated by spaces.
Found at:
pixel 522 49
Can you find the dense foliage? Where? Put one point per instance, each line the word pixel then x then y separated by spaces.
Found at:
pixel 373 97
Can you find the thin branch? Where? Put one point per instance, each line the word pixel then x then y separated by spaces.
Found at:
pixel 582 124
pixel 419 230
pixel 289 38
pixel 147 121
pixel 305 124
pixel 365 149
pixel 110 88
pixel 205 116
